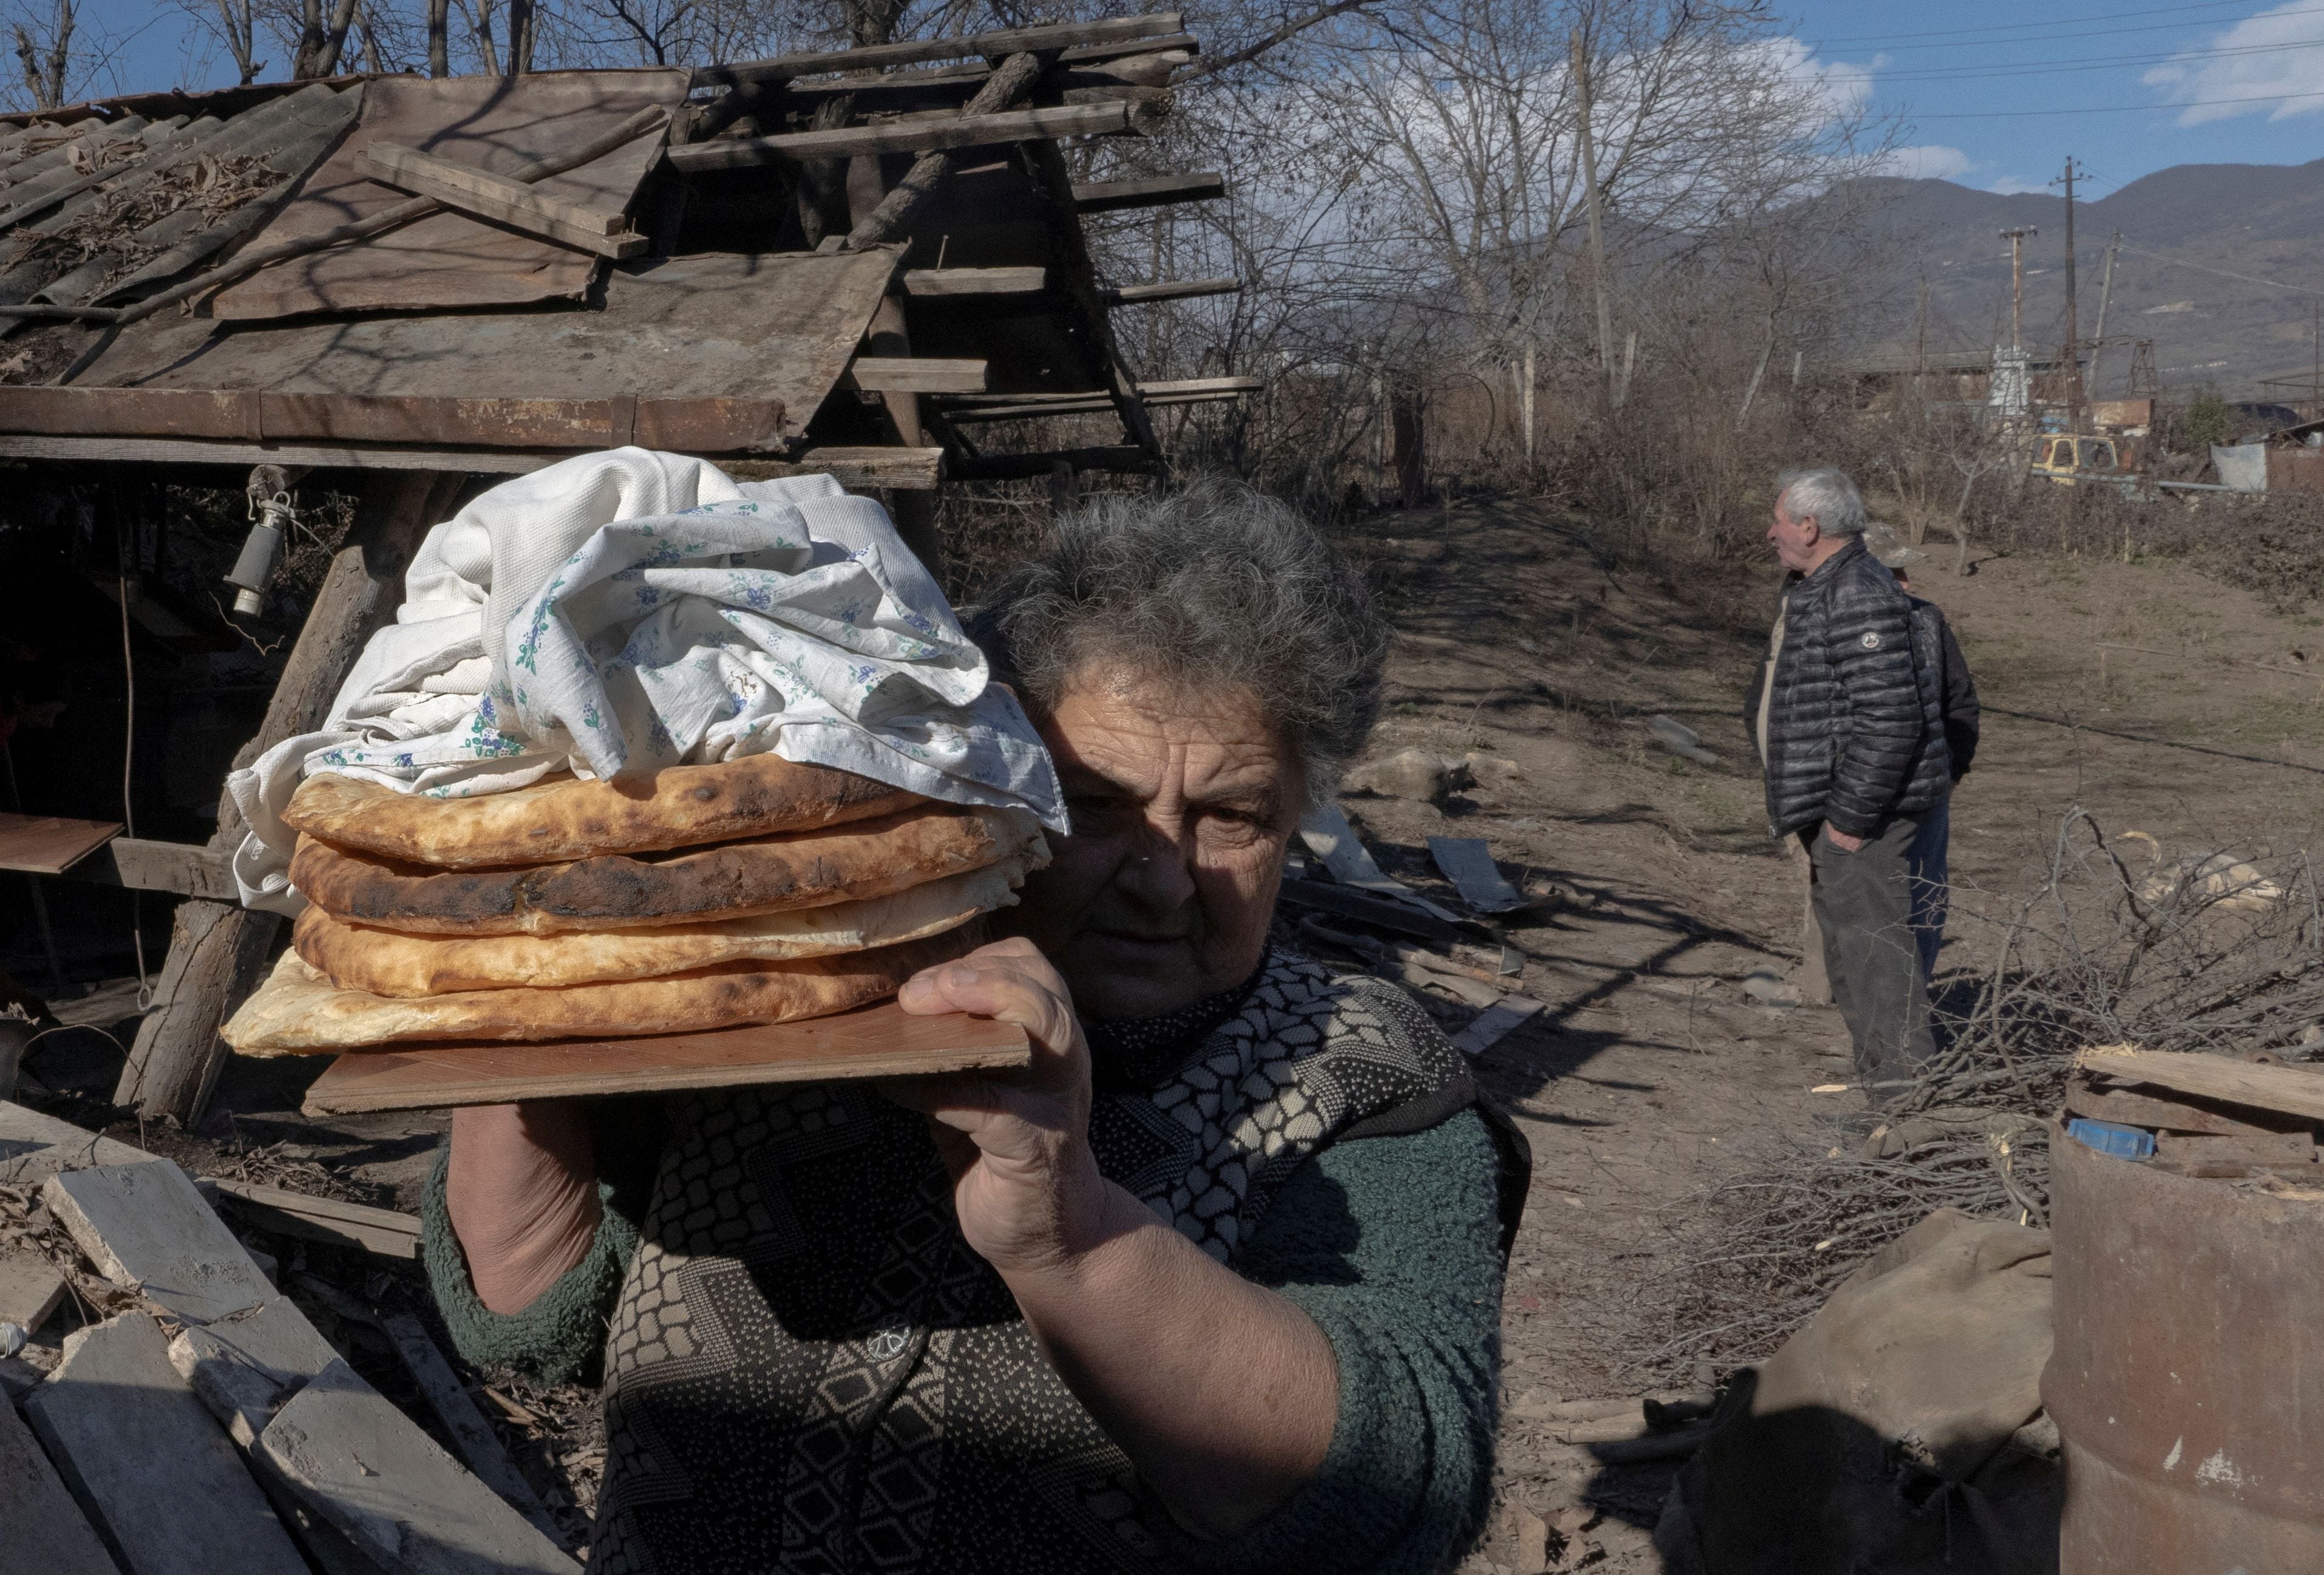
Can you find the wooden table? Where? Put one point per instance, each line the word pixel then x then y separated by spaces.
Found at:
pixel 873 1041
pixel 44 844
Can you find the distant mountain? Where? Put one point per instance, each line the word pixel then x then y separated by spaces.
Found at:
pixel 2266 221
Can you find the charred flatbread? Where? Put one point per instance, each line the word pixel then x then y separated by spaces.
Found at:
pixel 299 1011
pixel 735 880
pixel 566 817
pixel 389 962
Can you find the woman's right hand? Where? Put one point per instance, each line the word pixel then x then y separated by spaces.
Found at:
pixel 522 1189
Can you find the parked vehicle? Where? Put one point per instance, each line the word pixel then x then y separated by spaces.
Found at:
pixel 2070 459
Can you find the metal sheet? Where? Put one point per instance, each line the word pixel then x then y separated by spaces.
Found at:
pixel 689 351
pixel 2187 1378
pixel 496 124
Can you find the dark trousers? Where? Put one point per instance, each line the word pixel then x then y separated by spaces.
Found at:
pixel 1864 907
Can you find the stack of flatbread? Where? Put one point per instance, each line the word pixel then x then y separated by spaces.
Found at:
pixel 756 891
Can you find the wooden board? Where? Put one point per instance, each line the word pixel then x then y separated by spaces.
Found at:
pixel 41 1532
pixel 2133 1110
pixel 1154 191
pixel 356 1461
pixel 994 45
pixel 154 1472
pixel 873 1041
pixel 975 282
pixel 385 1232
pixel 487 197
pixel 902 137
pixel 2294 1090
pixel 44 844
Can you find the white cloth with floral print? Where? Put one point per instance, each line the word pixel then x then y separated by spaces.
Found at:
pixel 622 612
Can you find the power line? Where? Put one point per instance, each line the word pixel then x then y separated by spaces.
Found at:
pixel 2223 272
pixel 2065 37
pixel 2095 63
pixel 2047 22
pixel 2116 108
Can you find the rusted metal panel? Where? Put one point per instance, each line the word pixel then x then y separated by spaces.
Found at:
pixel 2187 1376
pixel 495 123
pixel 714 354
pixel 2295 470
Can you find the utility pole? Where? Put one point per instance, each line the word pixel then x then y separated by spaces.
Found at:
pixel 2106 294
pixel 2073 332
pixel 1597 224
pixel 2016 239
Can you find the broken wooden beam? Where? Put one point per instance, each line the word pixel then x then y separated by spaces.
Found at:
pixel 156 1477
pixel 914 374
pixel 2291 1090
pixel 1169 290
pixel 918 52
pixel 333 1221
pixel 391 1490
pixel 1149 191
pixel 912 136
pixel 216 948
pixel 924 282
pixel 42 1531
pixel 484 195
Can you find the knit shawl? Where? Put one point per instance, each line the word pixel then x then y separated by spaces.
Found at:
pixel 809 1370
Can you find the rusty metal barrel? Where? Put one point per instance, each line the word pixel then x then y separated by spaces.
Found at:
pixel 2187 1376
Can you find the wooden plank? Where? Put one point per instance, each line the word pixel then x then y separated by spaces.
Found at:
pixel 487 197
pixel 180 451
pixel 957 282
pixel 1169 388
pixel 34 1146
pixel 47 844
pixel 155 1474
pixel 1170 290
pixel 909 137
pixel 385 1231
pixel 903 469
pixel 30 1289
pixel 914 374
pixel 873 1041
pixel 393 159
pixel 187 868
pixel 1088 67
pixel 2133 1110
pixel 1151 191
pixel 145 1225
pixel 1468 863
pixel 917 52
pixel 2293 1091
pixel 391 1490
pixel 42 1531
pixel 472 1435
pixel 1496 1023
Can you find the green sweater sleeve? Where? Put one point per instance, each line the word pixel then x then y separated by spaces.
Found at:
pixel 1392 1246
pixel 561 1335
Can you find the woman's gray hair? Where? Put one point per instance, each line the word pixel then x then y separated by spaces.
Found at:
pixel 1216 585
pixel 1826 496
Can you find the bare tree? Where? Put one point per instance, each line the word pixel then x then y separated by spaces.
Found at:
pixel 46 52
pixel 235 24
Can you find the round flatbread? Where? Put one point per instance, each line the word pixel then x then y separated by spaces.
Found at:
pixel 566 817
pixel 735 880
pixel 298 1011
pixel 389 962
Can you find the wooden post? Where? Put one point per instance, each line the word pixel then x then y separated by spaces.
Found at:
pixel 216 948
pixel 1062 489
pixel 914 512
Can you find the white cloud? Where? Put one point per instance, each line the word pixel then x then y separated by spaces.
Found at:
pixel 1842 90
pixel 2016 185
pixel 2272 71
pixel 1929 162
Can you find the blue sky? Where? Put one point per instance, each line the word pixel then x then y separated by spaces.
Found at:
pixel 2141 85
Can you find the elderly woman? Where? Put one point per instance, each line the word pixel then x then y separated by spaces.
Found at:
pixel 1213 1287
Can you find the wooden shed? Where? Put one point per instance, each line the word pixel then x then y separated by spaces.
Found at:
pixel 866 263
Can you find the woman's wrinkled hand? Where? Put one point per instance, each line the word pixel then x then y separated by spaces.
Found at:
pixel 1026 1187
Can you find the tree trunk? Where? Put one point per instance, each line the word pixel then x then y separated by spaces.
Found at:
pixel 1411 445
pixel 439 38
pixel 521 25
pixel 216 948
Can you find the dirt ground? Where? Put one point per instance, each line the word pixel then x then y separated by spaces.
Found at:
pixel 2161 701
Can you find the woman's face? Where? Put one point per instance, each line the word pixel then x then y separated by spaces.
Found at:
pixel 1182 806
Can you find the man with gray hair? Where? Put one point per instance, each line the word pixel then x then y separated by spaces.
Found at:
pixel 1852 732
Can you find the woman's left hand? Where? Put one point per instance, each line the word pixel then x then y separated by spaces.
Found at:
pixel 1026 1187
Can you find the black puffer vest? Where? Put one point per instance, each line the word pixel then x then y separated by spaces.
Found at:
pixel 1856 721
